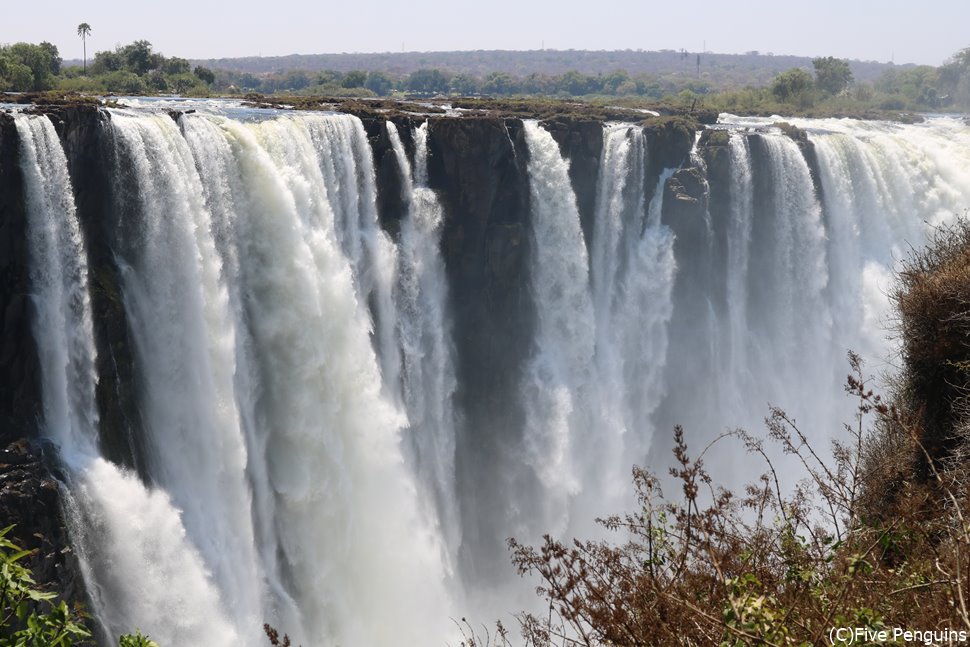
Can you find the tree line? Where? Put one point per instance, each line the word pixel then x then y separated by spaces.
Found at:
pixel 134 68
pixel 828 84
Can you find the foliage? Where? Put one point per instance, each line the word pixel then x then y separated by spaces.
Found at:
pixel 30 616
pixel 379 83
pixel 355 79
pixel 136 640
pixel 832 75
pixel 204 74
pixel 795 85
pixel 136 69
pixel 428 81
pixel 25 67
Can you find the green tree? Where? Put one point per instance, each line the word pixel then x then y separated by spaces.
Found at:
pixel 428 81
pixel 206 75
pixel 464 84
pixel 537 83
pixel 38 59
pixel 795 85
pixel 832 75
pixel 15 75
pixel 576 83
pixel 498 83
pixel 176 65
pixel 55 57
pixel 138 57
pixel 157 81
pixel 84 30
pixel 354 79
pixel 613 81
pixel 379 83
pixel 105 62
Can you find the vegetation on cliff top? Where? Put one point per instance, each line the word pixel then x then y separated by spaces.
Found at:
pixel 826 88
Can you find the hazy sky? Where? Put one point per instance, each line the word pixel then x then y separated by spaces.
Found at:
pixel 907 31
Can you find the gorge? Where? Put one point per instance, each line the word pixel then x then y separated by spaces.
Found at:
pixel 314 368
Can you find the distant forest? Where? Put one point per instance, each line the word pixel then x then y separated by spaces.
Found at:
pixel 718 71
pixel 750 83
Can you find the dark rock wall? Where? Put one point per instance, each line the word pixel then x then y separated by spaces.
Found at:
pixel 581 142
pixel 100 195
pixel 478 168
pixel 20 397
pixel 29 492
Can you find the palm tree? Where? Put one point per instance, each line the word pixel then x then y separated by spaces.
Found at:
pixel 84 30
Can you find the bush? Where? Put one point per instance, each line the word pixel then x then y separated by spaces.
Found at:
pixel 28 615
pixel 714 567
pixel 31 617
pixel 121 82
pixel 793 86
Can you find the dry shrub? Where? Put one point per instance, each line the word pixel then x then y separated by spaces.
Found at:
pixel 932 299
pixel 761 568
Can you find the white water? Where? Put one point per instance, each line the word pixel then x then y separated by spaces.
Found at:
pixel 559 374
pixel 141 571
pixel 344 506
pixel 178 309
pixel 60 305
pixel 296 371
pixel 633 270
pixel 424 336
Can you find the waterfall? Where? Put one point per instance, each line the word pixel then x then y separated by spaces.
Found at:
pixel 296 369
pixel 344 509
pixel 424 332
pixel 184 337
pixel 737 372
pixel 558 376
pixel 633 269
pixel 60 305
pixel 140 569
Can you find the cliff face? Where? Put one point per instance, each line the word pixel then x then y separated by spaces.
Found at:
pixel 19 400
pixel 29 489
pixel 478 167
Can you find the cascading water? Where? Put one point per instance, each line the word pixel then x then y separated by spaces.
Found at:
pixel 184 334
pixel 424 332
pixel 296 366
pixel 633 268
pixel 559 375
pixel 344 508
pixel 130 541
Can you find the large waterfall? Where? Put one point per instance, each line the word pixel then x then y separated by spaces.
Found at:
pixel 297 364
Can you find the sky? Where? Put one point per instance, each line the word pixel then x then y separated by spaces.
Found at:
pixel 903 31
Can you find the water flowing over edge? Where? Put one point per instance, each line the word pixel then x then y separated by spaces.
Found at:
pixel 296 369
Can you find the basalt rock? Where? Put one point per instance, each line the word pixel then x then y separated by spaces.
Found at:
pixel 478 167
pixel 581 142
pixel 100 197
pixel 29 490
pixel 19 369
pixel 392 203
